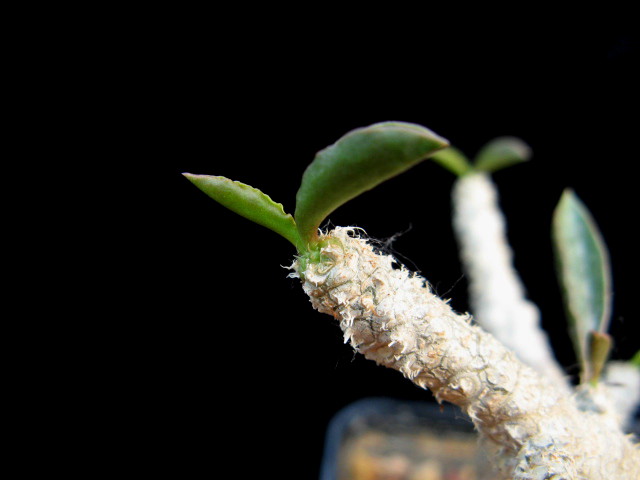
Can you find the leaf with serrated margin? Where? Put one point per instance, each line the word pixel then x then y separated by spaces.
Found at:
pixel 249 202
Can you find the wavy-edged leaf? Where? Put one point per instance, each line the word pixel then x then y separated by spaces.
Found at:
pixel 502 152
pixel 249 202
pixel 583 272
pixel 357 162
pixel 453 160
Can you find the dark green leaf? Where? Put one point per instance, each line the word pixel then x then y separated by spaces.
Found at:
pixel 583 271
pixel 249 202
pixel 453 160
pixel 500 153
pixel 357 162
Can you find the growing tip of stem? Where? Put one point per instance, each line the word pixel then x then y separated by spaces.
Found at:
pixel 357 162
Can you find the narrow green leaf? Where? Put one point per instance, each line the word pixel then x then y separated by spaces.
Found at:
pixel 500 153
pixel 453 160
pixel 357 162
pixel 599 348
pixel 583 271
pixel 249 202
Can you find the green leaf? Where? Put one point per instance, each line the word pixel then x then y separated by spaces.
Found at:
pixel 249 202
pixel 583 272
pixel 500 153
pixel 357 162
pixel 636 359
pixel 453 160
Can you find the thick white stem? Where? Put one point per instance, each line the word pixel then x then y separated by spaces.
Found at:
pixel 392 317
pixel 497 296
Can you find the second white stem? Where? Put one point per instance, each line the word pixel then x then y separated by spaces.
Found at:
pixel 497 296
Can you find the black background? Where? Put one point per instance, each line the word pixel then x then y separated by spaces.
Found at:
pixel 219 359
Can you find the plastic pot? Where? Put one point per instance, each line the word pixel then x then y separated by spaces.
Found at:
pixel 382 438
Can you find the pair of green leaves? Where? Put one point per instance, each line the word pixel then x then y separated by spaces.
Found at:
pixel 357 162
pixel 499 153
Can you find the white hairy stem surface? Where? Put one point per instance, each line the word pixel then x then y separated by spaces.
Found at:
pixel 391 316
pixel 622 380
pixel 496 294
